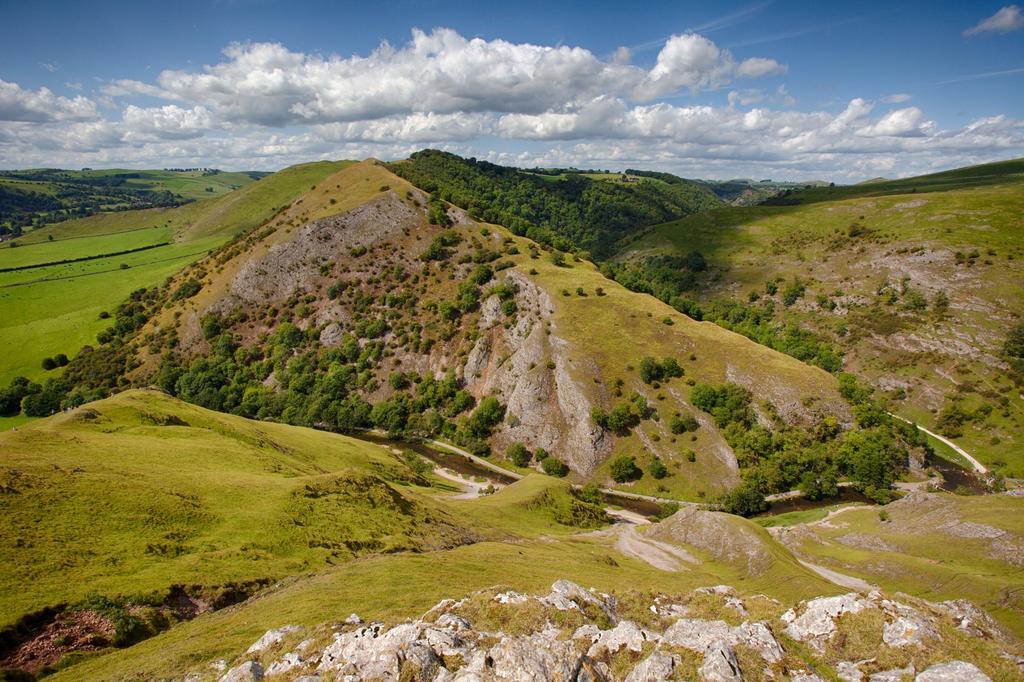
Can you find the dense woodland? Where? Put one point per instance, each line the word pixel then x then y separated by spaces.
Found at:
pixel 570 211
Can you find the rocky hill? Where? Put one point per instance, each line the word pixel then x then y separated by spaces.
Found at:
pixel 369 303
pixel 916 282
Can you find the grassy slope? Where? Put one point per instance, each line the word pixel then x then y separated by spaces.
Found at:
pixel 928 561
pixel 616 330
pixel 55 309
pixel 223 499
pixel 182 495
pixel 975 208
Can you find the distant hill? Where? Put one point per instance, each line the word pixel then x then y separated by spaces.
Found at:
pixel 918 282
pixel 34 197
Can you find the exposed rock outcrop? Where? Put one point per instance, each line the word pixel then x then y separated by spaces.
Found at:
pixel 580 635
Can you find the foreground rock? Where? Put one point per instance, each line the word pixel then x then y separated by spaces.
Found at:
pixel 580 635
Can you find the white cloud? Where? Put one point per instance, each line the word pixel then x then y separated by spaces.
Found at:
pixel 1006 20
pixel 263 107
pixel 695 63
pixel 898 123
pixel 440 72
pixel 167 122
pixel 42 105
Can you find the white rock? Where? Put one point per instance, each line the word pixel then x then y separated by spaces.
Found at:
pixel 626 634
pixel 848 672
pixel 954 671
pixel 720 664
pixel 453 622
pixel 696 634
pixel 353 619
pixel 370 651
pixel 272 637
pixel 285 664
pixel 250 671
pixel 534 658
pixel 511 598
pixel 817 622
pixel 654 668
pixel 758 637
pixel 906 630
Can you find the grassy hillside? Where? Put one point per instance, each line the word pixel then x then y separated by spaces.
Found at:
pixel 906 548
pixel 187 496
pixel 917 281
pixel 222 506
pixel 55 307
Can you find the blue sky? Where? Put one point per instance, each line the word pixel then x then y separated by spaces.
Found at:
pixel 767 89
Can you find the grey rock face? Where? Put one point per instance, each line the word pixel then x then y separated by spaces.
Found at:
pixel 272 637
pixel 817 622
pixel 535 658
pixel 250 671
pixel 654 668
pixel 422 650
pixel 954 671
pixel 720 664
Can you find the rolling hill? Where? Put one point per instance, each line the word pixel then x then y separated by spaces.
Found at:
pixel 60 279
pixel 917 282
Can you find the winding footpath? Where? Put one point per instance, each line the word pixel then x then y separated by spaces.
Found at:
pixel 978 466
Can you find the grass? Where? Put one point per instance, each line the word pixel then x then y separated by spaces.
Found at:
pixel 929 562
pixel 136 493
pixel 181 495
pixel 794 518
pixel 55 309
pixel 909 233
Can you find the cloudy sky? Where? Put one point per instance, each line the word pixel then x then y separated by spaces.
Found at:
pixel 788 90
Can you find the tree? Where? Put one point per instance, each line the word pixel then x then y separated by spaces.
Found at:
pixel 658 469
pixel 745 500
pixel 518 454
pixel 49 363
pixel 554 467
pixel 624 469
pixel 650 370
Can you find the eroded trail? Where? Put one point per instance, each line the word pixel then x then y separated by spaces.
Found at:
pixel 631 542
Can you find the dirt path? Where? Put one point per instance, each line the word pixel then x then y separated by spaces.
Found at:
pixel 840 579
pixel 836 512
pixel 470 489
pixel 978 466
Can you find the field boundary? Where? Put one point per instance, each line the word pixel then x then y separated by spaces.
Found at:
pixel 98 256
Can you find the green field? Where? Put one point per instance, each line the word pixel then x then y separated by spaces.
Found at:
pixel 55 309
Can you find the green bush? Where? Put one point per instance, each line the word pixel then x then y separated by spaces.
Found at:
pixel 624 469
pixel 518 455
pixel 554 467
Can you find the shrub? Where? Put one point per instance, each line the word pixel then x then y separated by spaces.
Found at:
pixel 658 469
pixel 554 467
pixel 624 469
pixel 188 289
pixel 49 363
pixel 518 454
pixel 683 424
